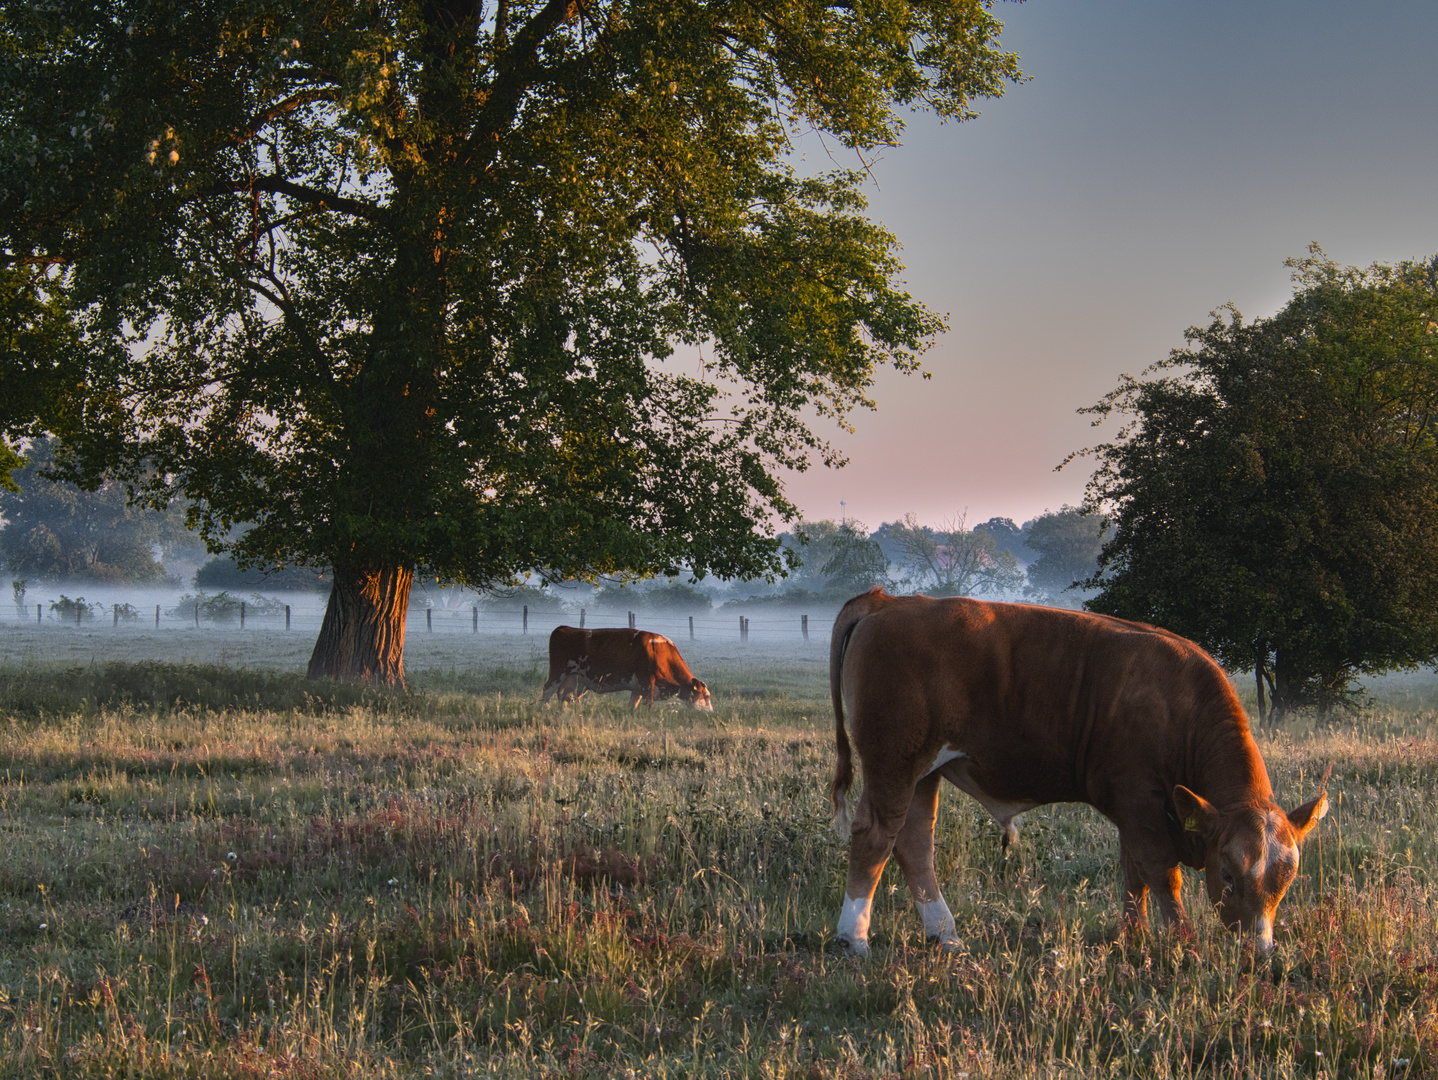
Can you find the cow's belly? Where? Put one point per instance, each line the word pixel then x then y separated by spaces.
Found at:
pixel 610 684
pixel 586 680
pixel 953 765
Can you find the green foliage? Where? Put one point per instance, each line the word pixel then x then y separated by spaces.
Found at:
pixel 9 462
pixel 58 530
pixel 402 285
pixel 1068 544
pixel 1274 494
pixel 38 339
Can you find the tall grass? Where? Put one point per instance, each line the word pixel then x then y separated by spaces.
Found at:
pixel 217 872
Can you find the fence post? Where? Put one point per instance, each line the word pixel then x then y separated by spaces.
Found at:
pixel 581 618
pixel 526 618
pixel 743 628
pixel 157 616
pixel 429 619
pixel 287 616
pixel 805 623
pixel 476 618
pixel 115 611
pixel 242 614
pixel 631 620
pixel 691 627
pixel 39 616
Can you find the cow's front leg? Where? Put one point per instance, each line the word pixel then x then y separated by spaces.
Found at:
pixel 1139 875
pixel 914 849
pixel 871 839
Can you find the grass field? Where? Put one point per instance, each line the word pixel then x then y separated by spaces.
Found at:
pixel 209 867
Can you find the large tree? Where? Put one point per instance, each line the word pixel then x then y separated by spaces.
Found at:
pixel 1274 491
pixel 466 288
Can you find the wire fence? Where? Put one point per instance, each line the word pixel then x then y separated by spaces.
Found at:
pixel 305 616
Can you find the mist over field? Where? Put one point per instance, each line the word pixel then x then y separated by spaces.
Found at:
pixel 446 637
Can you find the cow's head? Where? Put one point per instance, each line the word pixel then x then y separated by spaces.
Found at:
pixel 697 694
pixel 1250 855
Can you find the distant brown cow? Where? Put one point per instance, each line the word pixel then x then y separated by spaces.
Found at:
pixel 1020 706
pixel 648 665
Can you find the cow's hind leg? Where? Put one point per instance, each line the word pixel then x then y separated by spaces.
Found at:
pixel 914 849
pixel 877 823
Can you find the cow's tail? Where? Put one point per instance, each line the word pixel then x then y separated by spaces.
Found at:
pixel 849 617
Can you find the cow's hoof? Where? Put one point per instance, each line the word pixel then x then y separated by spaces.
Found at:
pixel 850 947
pixel 947 946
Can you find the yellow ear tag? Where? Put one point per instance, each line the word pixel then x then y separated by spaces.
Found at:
pixel 1190 824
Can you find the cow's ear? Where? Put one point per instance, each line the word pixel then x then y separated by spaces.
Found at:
pixel 1308 815
pixel 1195 813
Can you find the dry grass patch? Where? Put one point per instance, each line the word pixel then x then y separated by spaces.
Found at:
pixel 455 882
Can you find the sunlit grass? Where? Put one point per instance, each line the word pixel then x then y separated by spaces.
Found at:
pixel 231 872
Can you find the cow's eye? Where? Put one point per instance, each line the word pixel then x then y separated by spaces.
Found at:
pixel 1229 881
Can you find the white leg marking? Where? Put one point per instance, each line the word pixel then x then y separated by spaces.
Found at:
pixel 939 923
pixel 854 925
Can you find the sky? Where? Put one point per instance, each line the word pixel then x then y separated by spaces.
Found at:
pixel 1164 158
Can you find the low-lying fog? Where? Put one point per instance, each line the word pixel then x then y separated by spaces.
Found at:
pixel 448 629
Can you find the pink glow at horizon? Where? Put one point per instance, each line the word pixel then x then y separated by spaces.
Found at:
pixel 1164 159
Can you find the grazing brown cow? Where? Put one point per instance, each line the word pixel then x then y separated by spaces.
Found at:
pixel 1019 706
pixel 648 665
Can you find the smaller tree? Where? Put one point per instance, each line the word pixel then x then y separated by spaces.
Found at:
pixel 1274 489
pixel 855 561
pixel 957 561
pixel 833 560
pixel 1067 544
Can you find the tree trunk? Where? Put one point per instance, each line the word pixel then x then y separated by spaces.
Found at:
pixel 1259 664
pixel 362 636
pixel 1285 686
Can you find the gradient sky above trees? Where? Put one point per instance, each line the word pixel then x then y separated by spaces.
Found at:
pixel 1166 157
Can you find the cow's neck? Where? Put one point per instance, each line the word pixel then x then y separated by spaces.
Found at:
pixel 1227 768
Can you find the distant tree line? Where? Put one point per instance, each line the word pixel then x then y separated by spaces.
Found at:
pixel 1043 561
pixel 56 530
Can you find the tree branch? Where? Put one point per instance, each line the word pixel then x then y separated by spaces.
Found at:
pixel 278 185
